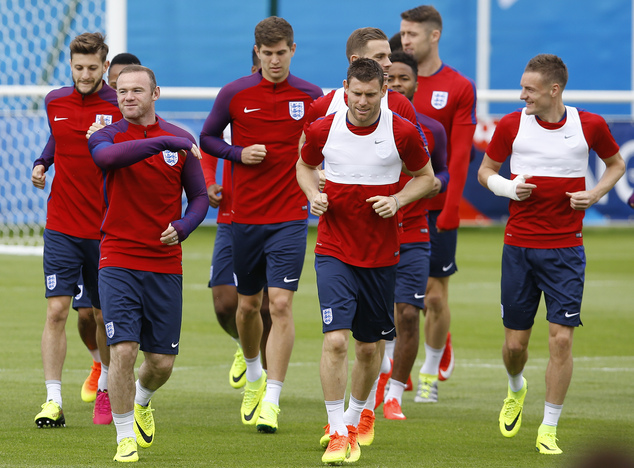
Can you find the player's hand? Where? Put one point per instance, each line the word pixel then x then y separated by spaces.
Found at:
pixel 253 154
pixel 95 126
pixel 195 151
pixel 214 192
pixel 38 176
pixel 435 190
pixel 169 236
pixel 524 190
pixel 385 207
pixel 581 200
pixel 319 204
pixel 322 179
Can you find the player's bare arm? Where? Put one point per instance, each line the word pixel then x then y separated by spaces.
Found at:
pixel 615 168
pixel 308 179
pixel 421 183
pixel 489 177
pixel 38 176
pixel 253 154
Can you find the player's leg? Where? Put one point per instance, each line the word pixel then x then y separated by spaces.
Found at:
pixel 88 333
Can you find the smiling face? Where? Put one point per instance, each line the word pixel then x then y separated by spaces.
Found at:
pixel 87 71
pixel 275 60
pixel 136 97
pixel 364 101
pixel 537 94
pixel 401 78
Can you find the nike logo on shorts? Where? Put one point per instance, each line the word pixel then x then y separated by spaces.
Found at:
pixel 292 280
pixel 387 332
pixel 418 296
pixel 568 314
pixel 446 268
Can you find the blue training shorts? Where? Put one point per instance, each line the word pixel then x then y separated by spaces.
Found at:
pixel 81 299
pixel 443 249
pixel 221 271
pixel 142 306
pixel 356 298
pixel 270 254
pixel 527 273
pixel 66 258
pixel 411 274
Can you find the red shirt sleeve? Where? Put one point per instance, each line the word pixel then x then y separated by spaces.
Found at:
pixel 316 136
pixel 501 145
pixel 209 165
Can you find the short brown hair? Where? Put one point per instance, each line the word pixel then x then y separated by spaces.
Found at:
pixel 141 68
pixel 89 44
pixel 424 14
pixel 358 40
pixel 272 30
pixel 552 68
pixel 365 70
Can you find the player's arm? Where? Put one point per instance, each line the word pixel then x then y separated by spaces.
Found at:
pixel 214 190
pixel 307 172
pixel 41 164
pixel 614 170
pixel 489 177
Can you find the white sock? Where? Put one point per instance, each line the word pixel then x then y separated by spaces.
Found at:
pixel 386 365
pixel 353 414
pixel 95 354
pixel 551 414
pixel 54 391
pixel 273 390
pixel 124 424
pixel 396 390
pixel 102 384
pixel 432 360
pixel 143 395
pixel 335 417
pixel 254 368
pixel 516 382
pixel 369 404
pixel 389 348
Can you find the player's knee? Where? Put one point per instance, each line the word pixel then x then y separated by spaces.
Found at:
pixel 335 343
pixel 515 348
pixel 366 352
pixel 435 302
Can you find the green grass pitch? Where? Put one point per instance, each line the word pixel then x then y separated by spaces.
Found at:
pixel 197 412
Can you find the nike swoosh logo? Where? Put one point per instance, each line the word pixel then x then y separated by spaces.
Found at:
pixel 174 345
pixel 568 315
pixel 146 437
pixel 60 118
pixel 129 454
pixel 546 446
pixel 509 427
pixel 378 142
pixel 247 111
pixel 568 136
pixel 237 379
pixel 249 417
pixel 418 296
pixel 387 332
pixel 446 268
pixel 292 280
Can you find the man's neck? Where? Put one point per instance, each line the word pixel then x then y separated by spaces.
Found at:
pixel 429 66
pixel 555 114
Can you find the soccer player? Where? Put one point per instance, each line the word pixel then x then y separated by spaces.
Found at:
pixel 413 264
pixel 221 277
pixel 269 220
pixel 449 97
pixel 74 212
pixel 118 63
pixel 147 163
pixel 547 143
pixel 363 150
pixel 365 43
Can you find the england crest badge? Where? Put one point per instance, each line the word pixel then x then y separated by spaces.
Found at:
pixel 170 157
pixel 107 119
pixel 296 109
pixel 327 315
pixel 51 282
pixel 439 99
pixel 110 329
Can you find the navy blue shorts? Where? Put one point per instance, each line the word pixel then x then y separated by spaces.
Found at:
pixel 221 272
pixel 81 299
pixel 411 274
pixel 142 306
pixel 527 273
pixel 65 259
pixel 357 299
pixel 268 253
pixel 443 249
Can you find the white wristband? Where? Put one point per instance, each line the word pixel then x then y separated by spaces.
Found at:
pixel 505 187
pixel 398 205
